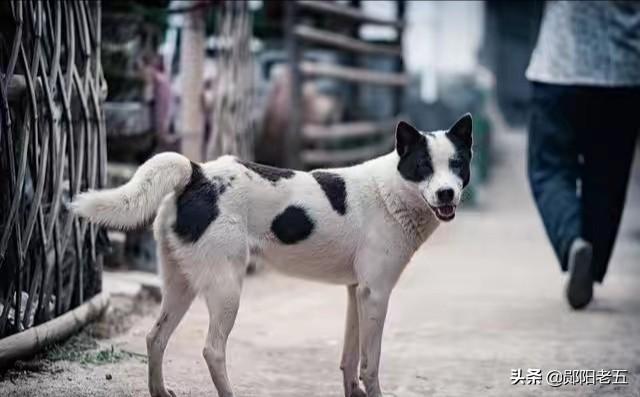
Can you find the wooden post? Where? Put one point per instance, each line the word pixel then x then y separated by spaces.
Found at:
pixel 192 49
pixel 292 141
pixel 353 59
pixel 399 64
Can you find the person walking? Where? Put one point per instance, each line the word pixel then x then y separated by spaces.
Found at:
pixel 585 118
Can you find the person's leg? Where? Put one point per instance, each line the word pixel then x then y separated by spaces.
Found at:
pixel 553 168
pixel 608 145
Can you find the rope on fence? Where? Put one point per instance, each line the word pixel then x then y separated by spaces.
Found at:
pixel 52 146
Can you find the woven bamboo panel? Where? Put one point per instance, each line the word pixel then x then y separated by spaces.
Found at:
pixel 52 146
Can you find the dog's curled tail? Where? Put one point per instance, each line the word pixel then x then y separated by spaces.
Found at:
pixel 135 203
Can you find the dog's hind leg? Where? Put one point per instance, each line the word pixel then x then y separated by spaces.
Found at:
pixel 351 349
pixel 176 299
pixel 222 295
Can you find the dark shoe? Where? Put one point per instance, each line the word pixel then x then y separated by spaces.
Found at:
pixel 580 284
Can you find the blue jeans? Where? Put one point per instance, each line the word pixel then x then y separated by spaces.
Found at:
pixel 581 146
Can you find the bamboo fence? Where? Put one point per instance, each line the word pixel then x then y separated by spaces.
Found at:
pixel 52 146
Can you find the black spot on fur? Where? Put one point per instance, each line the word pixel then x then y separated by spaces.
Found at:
pixel 334 188
pixel 461 130
pixel 415 162
pixel 272 174
pixel 292 225
pixel 460 137
pixel 197 205
pixel 461 166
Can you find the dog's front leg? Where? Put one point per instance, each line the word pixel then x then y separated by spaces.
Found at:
pixel 351 349
pixel 372 311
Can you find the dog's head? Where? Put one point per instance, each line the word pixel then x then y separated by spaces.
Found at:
pixel 437 163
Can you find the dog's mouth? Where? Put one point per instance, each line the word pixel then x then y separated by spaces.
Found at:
pixel 445 212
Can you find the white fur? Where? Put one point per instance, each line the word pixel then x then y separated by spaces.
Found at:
pixel 366 249
pixel 137 201
pixel 441 151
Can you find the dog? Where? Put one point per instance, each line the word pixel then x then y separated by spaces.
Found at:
pixel 355 226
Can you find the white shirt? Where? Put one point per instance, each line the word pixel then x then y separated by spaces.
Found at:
pixel 588 43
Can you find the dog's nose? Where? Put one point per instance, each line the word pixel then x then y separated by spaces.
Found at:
pixel 445 195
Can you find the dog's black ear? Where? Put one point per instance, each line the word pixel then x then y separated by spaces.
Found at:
pixel 406 137
pixel 462 130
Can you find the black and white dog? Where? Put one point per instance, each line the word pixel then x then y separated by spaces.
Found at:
pixel 355 226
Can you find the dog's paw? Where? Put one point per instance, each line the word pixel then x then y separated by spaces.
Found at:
pixel 358 392
pixel 167 393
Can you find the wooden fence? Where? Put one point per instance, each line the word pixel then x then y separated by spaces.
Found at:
pixel 311 146
pixel 52 146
